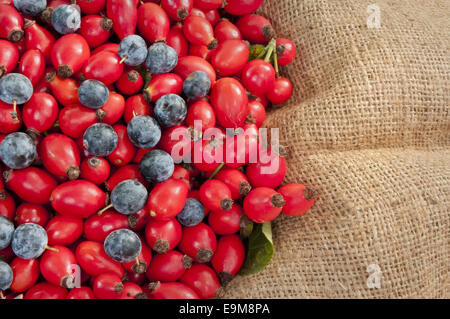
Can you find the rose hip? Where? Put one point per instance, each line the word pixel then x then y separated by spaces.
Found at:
pixel 226 222
pixel 95 170
pixel 298 199
pixel 169 266
pixel 198 242
pixel 62 230
pixel 163 236
pixel 32 213
pixel 229 258
pixel 263 204
pixel 216 195
pixel 203 280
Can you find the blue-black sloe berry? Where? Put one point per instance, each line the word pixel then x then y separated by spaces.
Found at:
pixel 93 94
pixel 129 197
pixel 192 214
pixel 100 139
pixel 144 131
pixel 18 150
pixel 30 7
pixel 196 85
pixel 156 166
pixel 170 110
pixel 161 58
pixel 66 18
pixel 123 245
pixel 29 241
pixel 15 88
pixel 133 49
pixel 6 232
pixel 6 276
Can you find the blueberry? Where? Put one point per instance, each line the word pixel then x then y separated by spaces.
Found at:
pixel 170 110
pixel 6 232
pixel 134 49
pixel 123 245
pixel 192 213
pixel 161 58
pixel 17 150
pixel 156 166
pixel 29 241
pixel 93 94
pixel 6 276
pixel 100 139
pixel 129 197
pixel 30 7
pixel 66 18
pixel 144 131
pixel 15 87
pixel 196 85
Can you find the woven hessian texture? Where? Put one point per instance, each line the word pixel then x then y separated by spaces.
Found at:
pixel 369 128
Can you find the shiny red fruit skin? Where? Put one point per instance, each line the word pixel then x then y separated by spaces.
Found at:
pixel 177 40
pixel 226 222
pixel 255 28
pixel 93 260
pixel 177 10
pixel 75 119
pixel 168 267
pixel 205 5
pixel 230 57
pixel 281 91
pixel 32 213
pixel 132 290
pixel 57 267
pixel 286 51
pixel 7 205
pixel 9 56
pixel 258 77
pixel 7 254
pixel 163 236
pixel 260 205
pixel 64 90
pixel 179 137
pixel 124 14
pixel 213 16
pixel 45 290
pixel 181 173
pixel 197 12
pixel 201 51
pixel 188 64
pixel 111 47
pixel 71 50
pixel 229 257
pixel 226 30
pixel 241 7
pixel 212 154
pixel 95 29
pixel 95 170
pixel 201 111
pixel 198 30
pixel 298 199
pixel 256 113
pixel 63 230
pixel 136 105
pixel 31 184
pixel 25 274
pixel 130 82
pixel 40 112
pixel 229 99
pixel 60 156
pixel 215 195
pixel 10 22
pixel 203 280
pixel 104 67
pixel 172 290
pixel 236 181
pixel 79 199
pixel 107 286
pixel 81 293
pixel 91 6
pixel 37 37
pixel 139 220
pixel 7 123
pixel 97 228
pixel 162 84
pixel 32 65
pixel 113 108
pixel 125 150
pixel 153 22
pixel 140 154
pixel 267 172
pixel 167 199
pixel 145 258
pixel 198 242
pixel 130 171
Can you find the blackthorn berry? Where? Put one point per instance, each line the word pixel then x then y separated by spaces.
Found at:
pixel 30 7
pixel 6 276
pixel 144 131
pixel 196 85
pixel 66 18
pixel 17 150
pixel 192 213
pixel 15 88
pixel 161 58
pixel 170 110
pixel 157 166
pixel 129 197
pixel 29 241
pixel 133 49
pixel 100 139
pixel 93 94
pixel 123 245
pixel 6 232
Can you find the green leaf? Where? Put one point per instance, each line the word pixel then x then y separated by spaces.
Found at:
pixel 256 50
pixel 246 227
pixel 259 249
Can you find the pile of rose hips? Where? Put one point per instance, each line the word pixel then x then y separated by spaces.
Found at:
pixel 94 98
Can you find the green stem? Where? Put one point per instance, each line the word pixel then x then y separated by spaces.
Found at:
pixel 275 62
pixel 262 54
pixel 217 170
pixel 271 47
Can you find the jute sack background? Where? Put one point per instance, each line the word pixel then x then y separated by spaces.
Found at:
pixel 369 128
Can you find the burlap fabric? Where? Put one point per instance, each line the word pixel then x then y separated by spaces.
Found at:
pixel 369 128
